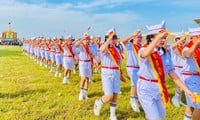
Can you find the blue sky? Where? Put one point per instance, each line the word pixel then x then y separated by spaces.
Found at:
pixel 51 18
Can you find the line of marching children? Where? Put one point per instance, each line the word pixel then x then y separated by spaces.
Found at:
pixel 147 66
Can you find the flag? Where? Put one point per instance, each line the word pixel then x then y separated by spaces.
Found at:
pixel 88 28
pixel 111 32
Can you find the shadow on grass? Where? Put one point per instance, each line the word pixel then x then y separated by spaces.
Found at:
pixel 8 53
pixel 94 94
pixel 21 93
pixel 126 89
pixel 124 115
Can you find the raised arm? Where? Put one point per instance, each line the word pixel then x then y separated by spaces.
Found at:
pixel 78 42
pixel 173 46
pixel 189 52
pixel 126 39
pixel 148 50
pixel 104 47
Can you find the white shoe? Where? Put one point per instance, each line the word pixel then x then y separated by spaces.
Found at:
pixel 135 106
pixel 95 70
pixel 45 65
pixel 41 63
pixel 85 95
pixel 54 69
pixel 48 66
pixel 80 97
pixel 97 108
pixel 65 80
pixel 56 74
pixel 113 118
pixel 60 75
pixel 74 71
pixel 175 101
pixel 90 80
pixel 51 70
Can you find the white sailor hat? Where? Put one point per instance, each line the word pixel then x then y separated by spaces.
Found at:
pixel 48 38
pixel 86 35
pixel 91 37
pixel 70 37
pixel 111 31
pixel 156 28
pixel 194 31
pixel 179 34
pixel 54 38
pixel 33 38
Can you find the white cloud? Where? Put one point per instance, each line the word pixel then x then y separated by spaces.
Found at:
pixel 186 3
pixel 50 19
pixel 108 3
pixel 43 19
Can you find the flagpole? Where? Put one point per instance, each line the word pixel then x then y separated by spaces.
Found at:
pixel 9 25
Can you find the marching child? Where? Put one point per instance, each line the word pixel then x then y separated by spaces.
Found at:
pixel 110 74
pixel 151 88
pixel 69 58
pixel 133 44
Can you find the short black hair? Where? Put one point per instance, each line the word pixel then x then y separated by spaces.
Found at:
pixel 106 37
pixel 148 38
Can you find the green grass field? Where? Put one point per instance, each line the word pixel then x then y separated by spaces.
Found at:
pixel 30 92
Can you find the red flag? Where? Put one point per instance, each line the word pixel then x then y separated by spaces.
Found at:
pixel 89 28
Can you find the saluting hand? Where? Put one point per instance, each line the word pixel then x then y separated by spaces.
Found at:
pixel 160 36
pixel 135 34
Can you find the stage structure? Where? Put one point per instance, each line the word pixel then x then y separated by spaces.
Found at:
pixel 9 34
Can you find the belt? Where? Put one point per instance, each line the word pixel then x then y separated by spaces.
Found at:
pixel 132 66
pixel 192 74
pixel 67 56
pixel 85 60
pixel 178 66
pixel 107 67
pixel 143 78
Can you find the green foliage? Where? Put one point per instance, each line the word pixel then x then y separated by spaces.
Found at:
pixel 30 92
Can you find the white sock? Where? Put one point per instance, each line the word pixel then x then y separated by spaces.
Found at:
pixel 187 117
pixel 135 98
pixel 100 102
pixel 112 109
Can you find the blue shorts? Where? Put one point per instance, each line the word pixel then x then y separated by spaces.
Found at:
pixel 110 81
pixel 58 59
pixel 150 99
pixel 47 55
pixel 52 56
pixel 68 63
pixel 132 73
pixel 85 69
pixel 193 84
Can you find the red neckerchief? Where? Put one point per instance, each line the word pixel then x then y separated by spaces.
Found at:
pixel 48 46
pixel 69 48
pixel 98 44
pixel 87 50
pixel 115 54
pixel 136 47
